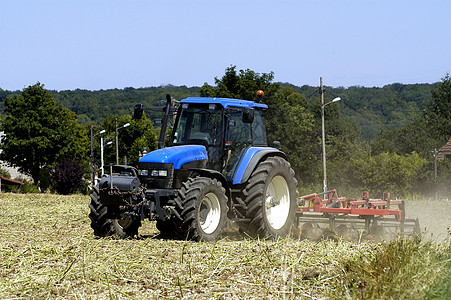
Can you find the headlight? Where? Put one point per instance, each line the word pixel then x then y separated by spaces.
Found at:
pixel 144 172
pixel 159 173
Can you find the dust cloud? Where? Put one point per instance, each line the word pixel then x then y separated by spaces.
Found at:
pixel 434 217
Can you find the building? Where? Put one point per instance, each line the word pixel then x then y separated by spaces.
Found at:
pixel 445 151
pixel 6 181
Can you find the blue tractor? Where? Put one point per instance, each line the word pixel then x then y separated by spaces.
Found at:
pixel 217 168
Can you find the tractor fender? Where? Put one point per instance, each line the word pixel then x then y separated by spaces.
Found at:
pixel 214 175
pixel 250 160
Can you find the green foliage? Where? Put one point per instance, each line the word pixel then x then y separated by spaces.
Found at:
pixel 396 119
pixel 95 106
pixel 39 131
pixel 399 269
pixel 289 121
pixel 67 176
pixel 392 172
pixel 4 172
pixel 438 111
pixel 132 139
pixel 442 289
pixel 430 130
pixel 375 109
pixel 385 172
pixel 240 85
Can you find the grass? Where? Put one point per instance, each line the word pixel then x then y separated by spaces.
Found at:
pixel 47 250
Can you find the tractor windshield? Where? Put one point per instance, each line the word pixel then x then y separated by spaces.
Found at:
pixel 198 124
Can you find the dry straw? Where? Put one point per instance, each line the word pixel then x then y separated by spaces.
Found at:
pixel 47 250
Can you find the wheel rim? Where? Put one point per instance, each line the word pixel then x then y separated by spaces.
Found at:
pixel 124 223
pixel 277 202
pixel 209 213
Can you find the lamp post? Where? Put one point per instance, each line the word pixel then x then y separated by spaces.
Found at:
pixel 101 154
pixel 92 151
pixel 117 140
pixel 323 132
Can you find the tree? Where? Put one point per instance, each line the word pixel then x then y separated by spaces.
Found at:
pixel 289 122
pixel 240 85
pixel 431 129
pixel 67 176
pixel 132 139
pixel 438 111
pixel 287 119
pixel 39 131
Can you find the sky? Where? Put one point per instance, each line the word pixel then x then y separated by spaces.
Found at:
pixel 106 44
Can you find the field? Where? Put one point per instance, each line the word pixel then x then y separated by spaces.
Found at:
pixel 47 250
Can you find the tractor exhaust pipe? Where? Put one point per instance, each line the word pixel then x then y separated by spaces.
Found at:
pixel 164 125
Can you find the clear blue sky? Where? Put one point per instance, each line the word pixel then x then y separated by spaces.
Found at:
pixel 102 44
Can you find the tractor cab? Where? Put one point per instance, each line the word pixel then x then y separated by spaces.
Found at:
pixel 226 127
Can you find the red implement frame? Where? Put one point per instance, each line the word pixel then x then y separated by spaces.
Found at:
pixel 364 207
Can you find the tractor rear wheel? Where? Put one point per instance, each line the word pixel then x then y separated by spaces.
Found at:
pixel 270 197
pixel 105 223
pixel 204 212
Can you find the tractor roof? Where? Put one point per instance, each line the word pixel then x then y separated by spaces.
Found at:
pixel 225 102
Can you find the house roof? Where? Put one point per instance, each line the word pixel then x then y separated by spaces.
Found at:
pixel 446 148
pixel 7 181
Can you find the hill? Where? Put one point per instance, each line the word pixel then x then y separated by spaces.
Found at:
pixel 373 108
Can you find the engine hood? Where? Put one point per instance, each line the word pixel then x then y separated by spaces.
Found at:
pixel 177 155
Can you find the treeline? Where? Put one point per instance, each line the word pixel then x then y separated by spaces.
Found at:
pixel 372 108
pixel 398 159
pixel 377 139
pixel 375 109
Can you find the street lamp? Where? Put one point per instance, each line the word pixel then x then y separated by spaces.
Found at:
pixel 117 140
pixel 323 132
pixel 92 151
pixel 101 154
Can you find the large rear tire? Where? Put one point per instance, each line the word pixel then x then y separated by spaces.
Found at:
pixel 104 221
pixel 270 197
pixel 204 212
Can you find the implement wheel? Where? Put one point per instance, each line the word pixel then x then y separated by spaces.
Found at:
pixel 270 196
pixel 104 220
pixel 204 210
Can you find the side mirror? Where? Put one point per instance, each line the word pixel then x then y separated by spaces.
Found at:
pixel 248 115
pixel 138 113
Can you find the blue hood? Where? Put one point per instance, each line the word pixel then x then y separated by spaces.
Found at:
pixel 177 155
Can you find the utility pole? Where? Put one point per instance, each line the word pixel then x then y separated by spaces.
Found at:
pixel 117 146
pixel 117 140
pixel 92 155
pixel 323 134
pixel 434 153
pixel 323 131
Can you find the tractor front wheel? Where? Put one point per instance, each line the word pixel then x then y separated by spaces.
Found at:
pixel 204 210
pixel 104 220
pixel 270 196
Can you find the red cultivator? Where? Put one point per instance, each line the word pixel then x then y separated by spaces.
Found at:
pixel 351 218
